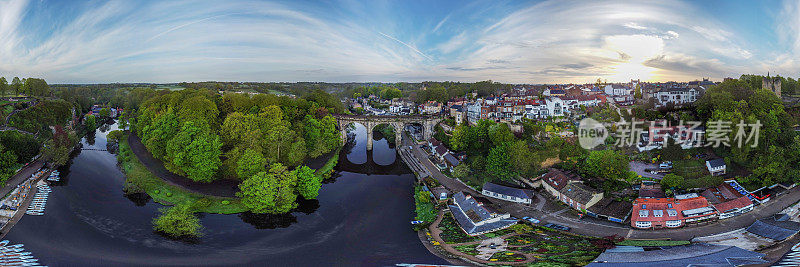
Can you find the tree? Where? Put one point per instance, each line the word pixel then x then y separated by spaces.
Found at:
pixel 672 180
pixel 3 86
pixel 178 221
pixel 195 151
pixel 105 112
pixel 269 192
pixel 672 151
pixel 521 157
pixel 606 164
pixel 16 84
pixel 250 163
pixel 8 163
pixel 91 123
pixel 461 171
pixel 499 133
pixel 459 141
pixel 498 165
pixel 308 184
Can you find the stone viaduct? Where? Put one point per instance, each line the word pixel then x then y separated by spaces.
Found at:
pixel 428 122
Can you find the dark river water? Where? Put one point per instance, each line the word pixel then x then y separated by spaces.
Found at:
pixel 361 219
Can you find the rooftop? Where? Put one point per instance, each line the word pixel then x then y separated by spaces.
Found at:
pixel 508 191
pixel 698 254
pixel 579 192
pixel 777 227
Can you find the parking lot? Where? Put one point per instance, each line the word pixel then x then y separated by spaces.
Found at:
pixel 641 167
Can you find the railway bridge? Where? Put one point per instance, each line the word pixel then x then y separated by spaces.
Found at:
pixel 428 122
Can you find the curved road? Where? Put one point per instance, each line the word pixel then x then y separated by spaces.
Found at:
pixel 601 228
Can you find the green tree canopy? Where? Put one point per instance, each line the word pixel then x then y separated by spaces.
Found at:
pixel 269 192
pixel 308 184
pixel 178 222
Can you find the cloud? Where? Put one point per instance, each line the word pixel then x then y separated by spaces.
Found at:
pixel 549 41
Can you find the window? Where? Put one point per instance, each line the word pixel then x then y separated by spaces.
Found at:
pixel 658 213
pixel 643 224
pixel 675 223
pixel 644 206
pixel 669 205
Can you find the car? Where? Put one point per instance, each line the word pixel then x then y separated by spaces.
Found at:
pixel 665 165
pixel 532 220
pixel 558 227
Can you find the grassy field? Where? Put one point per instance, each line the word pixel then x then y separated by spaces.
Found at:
pixel 690 169
pixel 167 194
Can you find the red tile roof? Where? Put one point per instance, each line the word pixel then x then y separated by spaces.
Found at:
pixel 738 203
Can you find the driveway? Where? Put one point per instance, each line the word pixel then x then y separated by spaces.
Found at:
pixel 641 167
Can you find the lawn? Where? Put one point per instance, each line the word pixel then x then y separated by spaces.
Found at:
pixel 468 249
pixel 167 194
pixel 690 169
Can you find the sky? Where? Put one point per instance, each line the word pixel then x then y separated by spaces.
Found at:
pixel 390 41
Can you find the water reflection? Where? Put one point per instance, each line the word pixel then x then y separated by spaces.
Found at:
pixel 357 220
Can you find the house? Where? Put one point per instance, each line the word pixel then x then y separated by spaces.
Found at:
pixel 777 227
pixel 440 152
pixel 457 112
pixel 696 254
pixel 580 196
pixel 431 107
pixel 677 96
pixel 610 209
pixel 475 218
pixel 716 166
pixel 671 212
pixel 655 213
pixel 507 193
pixel 728 201
pixel 474 112
pixel 451 161
pixel 433 143
pixel 556 107
pixel 617 90
pixel 694 208
pixel 554 181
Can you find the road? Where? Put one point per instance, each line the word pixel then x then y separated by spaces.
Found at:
pixel 547 211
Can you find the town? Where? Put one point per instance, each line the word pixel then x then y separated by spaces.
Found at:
pixel 666 190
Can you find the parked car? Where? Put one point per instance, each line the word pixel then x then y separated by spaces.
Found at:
pixel 557 227
pixel 532 220
pixel 666 165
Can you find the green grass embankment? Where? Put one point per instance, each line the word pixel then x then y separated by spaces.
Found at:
pixel 325 171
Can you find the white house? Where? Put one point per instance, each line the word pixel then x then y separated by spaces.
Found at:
pixel 507 193
pixel 556 107
pixel 677 96
pixel 716 167
pixel 475 218
pixel 617 90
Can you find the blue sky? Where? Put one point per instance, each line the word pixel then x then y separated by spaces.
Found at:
pixel 344 41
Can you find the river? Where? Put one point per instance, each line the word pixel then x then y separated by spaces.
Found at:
pixel 360 219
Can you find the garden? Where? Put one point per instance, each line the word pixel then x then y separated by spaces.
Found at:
pixel 451 231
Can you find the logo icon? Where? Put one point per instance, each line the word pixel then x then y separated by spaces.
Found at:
pixel 591 133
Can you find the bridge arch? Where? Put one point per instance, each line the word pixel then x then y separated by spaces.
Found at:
pixel 397 122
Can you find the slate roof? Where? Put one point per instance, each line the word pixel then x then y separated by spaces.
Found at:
pixel 611 208
pixel 441 150
pixel 557 92
pixel 468 212
pixel 579 192
pixel 556 178
pixel 777 227
pixel 434 142
pixel 508 191
pixel 698 254
pixel 451 160
pixel 716 163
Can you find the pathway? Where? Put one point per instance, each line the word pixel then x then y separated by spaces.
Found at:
pixel 220 188
pixel 450 248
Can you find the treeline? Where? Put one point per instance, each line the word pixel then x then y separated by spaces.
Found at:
pixel 444 91
pixel 776 158
pixel 207 136
pixel 41 116
pixel 27 86
pixel 788 85
pixel 383 91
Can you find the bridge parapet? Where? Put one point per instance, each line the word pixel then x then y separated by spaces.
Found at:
pixel 428 122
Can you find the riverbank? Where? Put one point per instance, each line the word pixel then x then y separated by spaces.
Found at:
pixel 140 179
pixel 23 207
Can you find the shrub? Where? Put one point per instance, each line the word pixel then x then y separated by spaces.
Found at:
pixel 178 222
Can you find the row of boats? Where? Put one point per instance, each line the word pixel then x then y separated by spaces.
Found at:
pixel 15 255
pixel 54 176
pixel 39 200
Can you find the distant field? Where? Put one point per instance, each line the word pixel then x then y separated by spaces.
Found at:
pixel 169 87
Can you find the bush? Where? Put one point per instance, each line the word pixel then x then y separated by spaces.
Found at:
pixel 178 222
